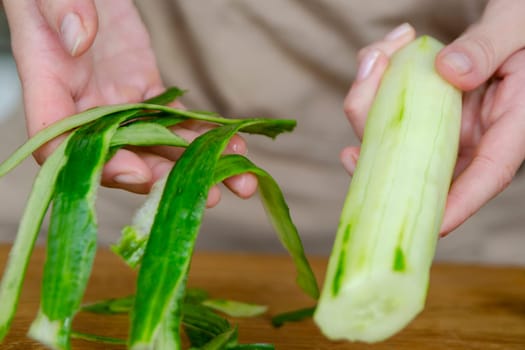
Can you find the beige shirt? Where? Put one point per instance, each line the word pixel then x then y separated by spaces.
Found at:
pixel 296 59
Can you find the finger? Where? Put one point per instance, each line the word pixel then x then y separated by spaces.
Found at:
pixel 31 38
pixel 349 157
pixel 500 153
pixel 373 61
pixel 237 144
pixel 471 128
pixel 214 197
pixel 391 42
pixel 45 109
pixel 128 170
pixel 243 185
pixel 174 153
pixel 74 21
pixel 160 167
pixel 474 57
pixel 361 95
pixel 191 129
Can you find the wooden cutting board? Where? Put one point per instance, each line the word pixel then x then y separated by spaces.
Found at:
pixel 468 307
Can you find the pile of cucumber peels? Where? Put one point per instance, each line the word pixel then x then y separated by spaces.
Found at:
pixel 159 242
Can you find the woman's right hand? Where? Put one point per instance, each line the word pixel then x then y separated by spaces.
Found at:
pixel 75 54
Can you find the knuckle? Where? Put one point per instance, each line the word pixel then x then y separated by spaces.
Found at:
pixel 381 47
pixel 362 52
pixel 457 198
pixel 351 108
pixel 485 50
pixel 503 174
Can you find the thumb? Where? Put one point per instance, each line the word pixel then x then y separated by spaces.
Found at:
pixel 474 57
pixel 74 21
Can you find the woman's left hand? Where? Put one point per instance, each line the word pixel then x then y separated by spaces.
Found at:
pixel 488 63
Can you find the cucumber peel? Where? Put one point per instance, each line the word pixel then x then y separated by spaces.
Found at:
pixel 72 236
pixel 37 204
pixel 69 180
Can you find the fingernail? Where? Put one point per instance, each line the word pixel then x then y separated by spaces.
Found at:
pixel 398 32
pixel 458 61
pixel 237 149
pixel 367 64
pixel 130 179
pixel 72 32
pixel 350 163
pixel 240 183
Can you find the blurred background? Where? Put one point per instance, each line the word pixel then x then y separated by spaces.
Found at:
pixel 291 59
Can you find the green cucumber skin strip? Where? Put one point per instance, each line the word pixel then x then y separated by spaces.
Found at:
pixel 90 115
pixel 133 241
pixel 279 214
pixel 222 340
pixel 252 347
pixel 57 129
pixel 275 206
pixel 184 199
pixel 393 211
pixel 167 96
pixel 110 306
pixel 168 335
pixel 146 134
pixel 80 119
pixel 98 338
pixel 292 316
pixel 234 308
pixel 201 324
pixel 32 218
pixel 37 204
pixel 72 233
pixel 167 256
pixel 131 245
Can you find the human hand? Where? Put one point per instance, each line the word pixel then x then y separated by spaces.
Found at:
pixel 488 62
pixel 75 54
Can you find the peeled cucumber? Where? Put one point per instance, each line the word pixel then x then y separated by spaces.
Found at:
pixel 378 272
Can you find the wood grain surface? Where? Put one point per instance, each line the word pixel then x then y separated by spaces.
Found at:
pixel 468 307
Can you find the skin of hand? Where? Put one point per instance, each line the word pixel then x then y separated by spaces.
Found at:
pixel 487 62
pixel 75 54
